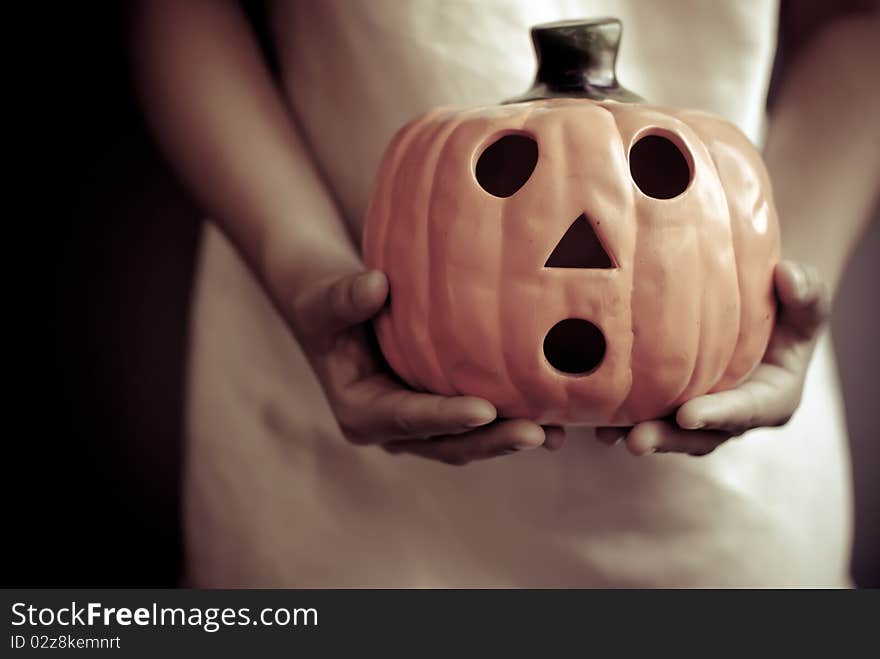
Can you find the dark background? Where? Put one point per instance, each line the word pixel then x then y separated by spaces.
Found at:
pixel 102 276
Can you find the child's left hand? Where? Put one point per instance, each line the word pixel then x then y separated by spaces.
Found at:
pixel 771 394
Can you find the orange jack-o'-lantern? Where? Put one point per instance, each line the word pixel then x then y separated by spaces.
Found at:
pixel 574 256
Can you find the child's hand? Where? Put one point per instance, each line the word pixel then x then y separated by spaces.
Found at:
pixel 372 408
pixel 770 395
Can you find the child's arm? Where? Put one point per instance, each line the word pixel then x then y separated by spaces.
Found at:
pixel 222 124
pixel 823 155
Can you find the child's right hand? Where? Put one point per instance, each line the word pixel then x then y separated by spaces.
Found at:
pixel 329 320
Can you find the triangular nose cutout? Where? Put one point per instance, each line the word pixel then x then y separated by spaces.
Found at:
pixel 580 247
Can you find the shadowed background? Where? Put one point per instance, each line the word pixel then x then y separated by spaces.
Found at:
pixel 100 485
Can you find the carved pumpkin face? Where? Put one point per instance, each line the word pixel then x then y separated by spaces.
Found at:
pixel 573 261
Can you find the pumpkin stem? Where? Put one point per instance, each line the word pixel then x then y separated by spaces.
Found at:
pixel 576 59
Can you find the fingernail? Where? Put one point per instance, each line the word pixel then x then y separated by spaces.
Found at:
pixel 480 420
pixel 612 440
pixel 360 287
pixel 528 445
pixel 800 281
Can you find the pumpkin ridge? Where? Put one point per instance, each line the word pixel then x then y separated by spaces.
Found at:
pixel 736 261
pixel 698 353
pixel 378 215
pixel 388 226
pixel 504 275
pixel 377 210
pixel 733 245
pixel 685 372
pixel 435 275
pixel 701 333
pixel 622 409
pixel 439 133
pixel 699 303
pixel 726 139
pixel 692 118
pixel 708 321
pixel 682 396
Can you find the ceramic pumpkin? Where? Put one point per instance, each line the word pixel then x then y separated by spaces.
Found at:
pixel 574 256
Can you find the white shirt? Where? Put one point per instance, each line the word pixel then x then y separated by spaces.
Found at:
pixel 276 497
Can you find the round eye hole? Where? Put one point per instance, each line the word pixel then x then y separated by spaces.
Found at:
pixel 658 167
pixel 506 164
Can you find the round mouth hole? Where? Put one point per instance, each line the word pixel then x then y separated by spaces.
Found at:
pixel 574 346
pixel 658 167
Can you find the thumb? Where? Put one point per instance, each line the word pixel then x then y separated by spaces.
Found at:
pixel 804 297
pixel 335 305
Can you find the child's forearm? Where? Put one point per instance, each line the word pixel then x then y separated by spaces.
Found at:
pixel 221 122
pixel 823 145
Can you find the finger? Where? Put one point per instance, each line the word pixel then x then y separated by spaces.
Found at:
pixel 663 437
pixel 768 399
pixel 377 410
pixel 804 297
pixel 554 437
pixel 332 307
pixel 501 438
pixel 611 435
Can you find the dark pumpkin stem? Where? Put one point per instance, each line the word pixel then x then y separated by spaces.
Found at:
pixel 576 59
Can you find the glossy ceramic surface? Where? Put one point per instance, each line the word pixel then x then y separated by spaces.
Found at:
pixel 676 288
